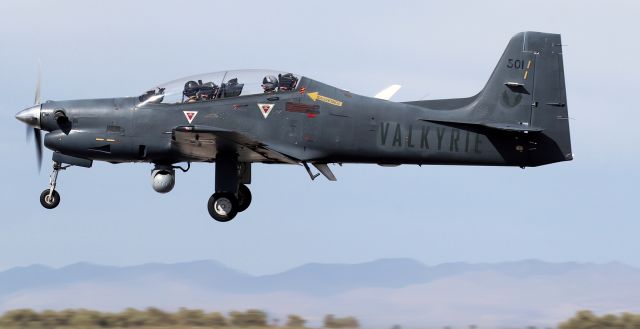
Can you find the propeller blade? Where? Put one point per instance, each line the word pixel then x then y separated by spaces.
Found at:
pixel 38 140
pixel 29 133
pixel 36 100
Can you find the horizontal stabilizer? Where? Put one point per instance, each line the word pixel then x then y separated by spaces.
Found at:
pixel 522 128
pixel 388 92
pixel 513 127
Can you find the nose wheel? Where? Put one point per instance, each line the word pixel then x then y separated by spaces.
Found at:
pixel 49 199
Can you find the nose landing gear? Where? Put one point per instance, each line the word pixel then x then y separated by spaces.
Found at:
pixel 50 198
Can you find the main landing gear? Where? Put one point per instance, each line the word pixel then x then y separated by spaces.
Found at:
pixel 50 198
pixel 224 206
pixel 232 195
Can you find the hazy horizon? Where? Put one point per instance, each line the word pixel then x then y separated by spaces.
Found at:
pixel 296 266
pixel 379 293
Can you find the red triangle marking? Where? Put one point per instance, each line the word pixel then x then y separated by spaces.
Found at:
pixel 190 115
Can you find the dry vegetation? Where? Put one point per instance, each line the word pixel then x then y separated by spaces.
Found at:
pixel 588 320
pixel 153 318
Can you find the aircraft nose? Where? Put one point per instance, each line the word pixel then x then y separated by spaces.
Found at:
pixel 30 116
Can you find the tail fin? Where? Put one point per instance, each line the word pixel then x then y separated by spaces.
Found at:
pixel 527 88
pixel 525 94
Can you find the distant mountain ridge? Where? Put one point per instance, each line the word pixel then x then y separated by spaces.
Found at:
pixel 404 288
pixel 312 278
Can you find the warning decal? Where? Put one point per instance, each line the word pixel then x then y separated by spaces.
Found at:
pixel 190 115
pixel 265 109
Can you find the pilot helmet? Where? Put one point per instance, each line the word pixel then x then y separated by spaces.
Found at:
pixel 269 83
pixel 208 86
pixel 191 89
pixel 208 90
pixel 287 81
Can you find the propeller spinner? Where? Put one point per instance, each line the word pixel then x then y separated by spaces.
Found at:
pixel 31 117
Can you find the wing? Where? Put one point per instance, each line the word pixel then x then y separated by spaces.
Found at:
pixel 203 143
pixel 388 92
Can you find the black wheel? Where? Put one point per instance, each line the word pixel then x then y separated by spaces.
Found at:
pixel 49 202
pixel 223 206
pixel 244 198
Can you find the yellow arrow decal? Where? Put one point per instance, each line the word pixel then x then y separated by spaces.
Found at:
pixel 315 96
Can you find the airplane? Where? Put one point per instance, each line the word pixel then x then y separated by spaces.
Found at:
pixel 237 118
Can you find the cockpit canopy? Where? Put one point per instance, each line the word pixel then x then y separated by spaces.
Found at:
pixel 217 85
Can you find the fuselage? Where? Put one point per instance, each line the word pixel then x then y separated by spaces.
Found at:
pixel 315 123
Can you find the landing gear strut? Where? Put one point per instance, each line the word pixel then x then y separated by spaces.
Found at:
pixel 50 198
pixel 232 195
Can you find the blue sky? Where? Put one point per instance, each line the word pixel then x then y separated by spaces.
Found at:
pixel 584 210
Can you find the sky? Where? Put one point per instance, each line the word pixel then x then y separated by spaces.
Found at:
pixel 583 210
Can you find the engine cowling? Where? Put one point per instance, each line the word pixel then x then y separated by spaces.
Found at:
pixel 163 179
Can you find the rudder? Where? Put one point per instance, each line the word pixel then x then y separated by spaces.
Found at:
pixel 549 109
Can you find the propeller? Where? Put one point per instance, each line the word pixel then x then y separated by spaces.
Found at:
pixel 38 136
pixel 31 117
pixel 36 131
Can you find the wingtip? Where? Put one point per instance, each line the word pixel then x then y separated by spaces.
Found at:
pixel 388 92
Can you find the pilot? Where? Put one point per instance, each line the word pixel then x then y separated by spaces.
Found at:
pixel 269 84
pixel 190 91
pixel 208 91
pixel 287 82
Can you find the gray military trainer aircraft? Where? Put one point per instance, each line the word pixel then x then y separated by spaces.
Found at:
pixel 236 118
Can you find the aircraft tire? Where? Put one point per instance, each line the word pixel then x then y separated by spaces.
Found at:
pixel 244 198
pixel 47 202
pixel 223 206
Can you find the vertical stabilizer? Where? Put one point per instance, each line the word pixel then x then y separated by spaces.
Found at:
pixel 527 89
